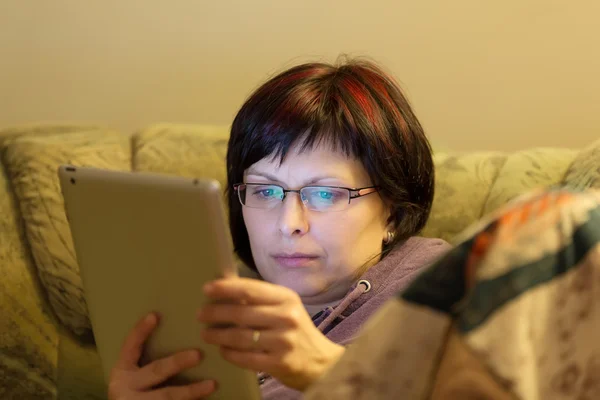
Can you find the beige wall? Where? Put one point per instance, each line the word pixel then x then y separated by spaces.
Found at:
pixel 481 74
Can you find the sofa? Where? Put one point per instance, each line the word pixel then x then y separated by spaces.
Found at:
pixel 46 345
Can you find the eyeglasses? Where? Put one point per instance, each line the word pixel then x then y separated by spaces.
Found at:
pixel 315 198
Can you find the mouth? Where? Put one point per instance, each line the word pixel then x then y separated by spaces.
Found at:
pixel 295 260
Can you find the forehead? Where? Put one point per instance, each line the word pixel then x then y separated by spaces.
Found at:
pixel 320 161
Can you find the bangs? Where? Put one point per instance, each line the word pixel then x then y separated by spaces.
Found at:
pixel 316 105
pixel 294 139
pixel 302 120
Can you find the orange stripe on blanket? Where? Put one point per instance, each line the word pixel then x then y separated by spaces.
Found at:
pixel 527 212
pixel 508 224
pixel 481 244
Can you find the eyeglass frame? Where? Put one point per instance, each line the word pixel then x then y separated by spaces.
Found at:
pixel 351 196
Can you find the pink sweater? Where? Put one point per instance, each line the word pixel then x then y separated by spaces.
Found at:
pixel 385 279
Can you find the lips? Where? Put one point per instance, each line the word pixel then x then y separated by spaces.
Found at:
pixel 295 260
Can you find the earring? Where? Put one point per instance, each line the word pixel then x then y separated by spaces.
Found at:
pixel 390 237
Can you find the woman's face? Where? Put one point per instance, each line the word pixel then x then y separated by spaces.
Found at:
pixel 317 254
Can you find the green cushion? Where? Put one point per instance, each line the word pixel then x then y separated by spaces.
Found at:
pixel 186 150
pixel 471 185
pixel 32 163
pixel 462 186
pixel 585 170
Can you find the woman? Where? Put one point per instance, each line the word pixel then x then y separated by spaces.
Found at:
pixel 330 177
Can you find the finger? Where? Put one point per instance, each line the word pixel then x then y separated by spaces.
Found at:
pixel 160 370
pixel 244 339
pixel 256 361
pixel 198 390
pixel 237 314
pixel 249 291
pixel 132 348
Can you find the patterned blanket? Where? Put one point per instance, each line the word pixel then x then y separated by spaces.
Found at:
pixel 512 312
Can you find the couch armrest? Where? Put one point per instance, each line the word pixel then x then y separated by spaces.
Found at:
pixel 28 336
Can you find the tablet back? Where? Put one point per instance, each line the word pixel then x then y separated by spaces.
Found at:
pixel 148 242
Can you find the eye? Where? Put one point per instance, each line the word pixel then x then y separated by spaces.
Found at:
pixel 325 195
pixel 266 192
pixel 328 195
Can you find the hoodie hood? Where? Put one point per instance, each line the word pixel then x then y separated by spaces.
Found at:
pixel 394 271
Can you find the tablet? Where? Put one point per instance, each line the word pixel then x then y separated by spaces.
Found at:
pixel 148 242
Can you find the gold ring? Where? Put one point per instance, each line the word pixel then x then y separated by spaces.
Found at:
pixel 255 337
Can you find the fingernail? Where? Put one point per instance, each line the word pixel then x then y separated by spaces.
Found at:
pixel 151 318
pixel 208 288
pixel 197 355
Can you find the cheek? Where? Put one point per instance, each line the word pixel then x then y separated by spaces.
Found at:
pixel 360 230
pixel 339 234
pixel 258 225
pixel 338 230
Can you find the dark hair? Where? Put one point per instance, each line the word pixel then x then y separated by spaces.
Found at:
pixel 354 106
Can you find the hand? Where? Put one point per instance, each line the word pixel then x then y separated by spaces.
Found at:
pixel 130 382
pixel 266 329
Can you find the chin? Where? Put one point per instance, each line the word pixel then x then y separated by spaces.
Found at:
pixel 298 285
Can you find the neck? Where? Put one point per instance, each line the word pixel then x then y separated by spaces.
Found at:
pixel 331 294
pixel 312 309
pixel 336 293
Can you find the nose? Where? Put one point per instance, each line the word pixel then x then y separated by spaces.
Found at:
pixel 292 219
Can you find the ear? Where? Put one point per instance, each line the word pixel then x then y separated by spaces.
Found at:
pixel 390 223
